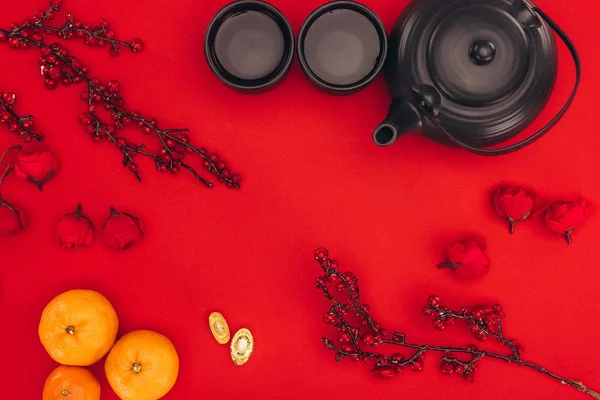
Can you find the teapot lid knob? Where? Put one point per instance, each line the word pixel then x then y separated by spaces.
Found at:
pixel 482 52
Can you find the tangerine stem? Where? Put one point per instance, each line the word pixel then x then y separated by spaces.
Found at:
pixel 137 367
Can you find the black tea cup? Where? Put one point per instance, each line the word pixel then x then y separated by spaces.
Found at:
pixel 342 47
pixel 249 45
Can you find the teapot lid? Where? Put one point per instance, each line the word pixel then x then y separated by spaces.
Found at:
pixel 493 63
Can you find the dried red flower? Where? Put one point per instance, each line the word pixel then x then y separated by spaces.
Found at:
pixel 122 230
pixel 467 258
pixel 513 203
pixel 36 166
pixel 75 230
pixel 565 216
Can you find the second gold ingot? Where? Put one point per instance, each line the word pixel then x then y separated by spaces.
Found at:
pixel 241 346
pixel 219 327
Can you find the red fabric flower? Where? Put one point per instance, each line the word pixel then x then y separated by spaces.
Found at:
pixel 10 219
pixel 36 167
pixel 122 230
pixel 75 230
pixel 565 216
pixel 513 203
pixel 467 258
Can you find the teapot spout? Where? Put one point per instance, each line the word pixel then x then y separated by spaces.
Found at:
pixel 401 118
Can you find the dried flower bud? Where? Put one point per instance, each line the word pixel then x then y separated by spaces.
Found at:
pixel 36 167
pixel 121 230
pixel 75 230
pixel 467 258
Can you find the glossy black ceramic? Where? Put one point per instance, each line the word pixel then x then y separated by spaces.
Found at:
pixel 342 47
pixel 249 45
pixel 473 73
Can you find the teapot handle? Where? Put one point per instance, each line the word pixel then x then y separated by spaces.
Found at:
pixel 427 110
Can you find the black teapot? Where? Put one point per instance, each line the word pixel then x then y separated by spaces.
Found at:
pixel 472 73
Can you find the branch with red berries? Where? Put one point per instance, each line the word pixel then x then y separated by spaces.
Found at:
pixel 360 336
pixel 20 125
pixel 106 116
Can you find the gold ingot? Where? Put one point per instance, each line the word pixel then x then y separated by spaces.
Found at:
pixel 242 345
pixel 219 327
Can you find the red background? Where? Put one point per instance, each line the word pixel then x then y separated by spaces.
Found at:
pixel 312 176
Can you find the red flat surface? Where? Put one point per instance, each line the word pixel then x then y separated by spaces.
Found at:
pixel 312 176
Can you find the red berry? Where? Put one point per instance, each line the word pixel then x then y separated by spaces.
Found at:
pixel 438 324
pixel 5 117
pixel 113 51
pixel 321 253
pixel 170 143
pixel 236 178
pixel 9 98
pixel 90 129
pixel 459 369
pixel 433 301
pixel 473 327
pixel 320 282
pixel 345 337
pixel 104 23
pixel 51 84
pixel 137 45
pixel 340 287
pixel 477 314
pixel 56 3
pixel 113 86
pixel 85 119
pixel 481 335
pixel 27 124
pixel 416 365
pixel 447 368
pixel 121 142
pixel 368 339
pixel 146 130
pixel 177 155
pixel 89 40
pixel 378 339
pixel 41 136
pixel 347 348
pixel 133 167
pixel 163 168
pixel 70 16
pixel 175 169
pixel 498 309
pixel 329 318
pixel 426 310
pixel 54 72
